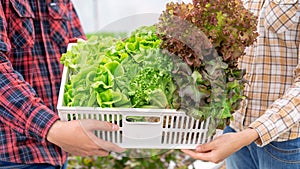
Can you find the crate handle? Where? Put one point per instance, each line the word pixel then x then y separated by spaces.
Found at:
pixel 142 119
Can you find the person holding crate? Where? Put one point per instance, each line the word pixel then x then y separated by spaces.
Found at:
pixel 265 131
pixel 33 35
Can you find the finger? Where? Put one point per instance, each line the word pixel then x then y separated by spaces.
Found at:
pixel 103 153
pixel 105 145
pixel 108 146
pixel 92 153
pixel 205 147
pixel 90 124
pixel 198 156
pixel 100 152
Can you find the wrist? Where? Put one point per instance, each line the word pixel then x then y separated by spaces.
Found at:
pixel 54 130
pixel 248 136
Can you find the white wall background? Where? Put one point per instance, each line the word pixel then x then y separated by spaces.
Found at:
pixel 119 15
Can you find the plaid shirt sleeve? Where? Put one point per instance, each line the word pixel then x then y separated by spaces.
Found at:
pixel 276 87
pixel 21 109
pixel 282 115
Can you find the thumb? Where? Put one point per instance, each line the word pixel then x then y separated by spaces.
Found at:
pixel 91 125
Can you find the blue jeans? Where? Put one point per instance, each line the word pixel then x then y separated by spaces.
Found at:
pixel 9 165
pixel 276 155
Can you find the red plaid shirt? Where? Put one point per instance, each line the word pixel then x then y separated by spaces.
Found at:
pixel 33 35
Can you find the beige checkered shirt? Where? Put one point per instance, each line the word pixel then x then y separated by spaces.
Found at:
pixel 272 64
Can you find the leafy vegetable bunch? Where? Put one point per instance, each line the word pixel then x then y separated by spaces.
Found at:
pixel 210 36
pixel 229 27
pixel 91 63
pixel 110 72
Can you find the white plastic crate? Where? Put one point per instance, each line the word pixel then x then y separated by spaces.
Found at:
pixel 171 129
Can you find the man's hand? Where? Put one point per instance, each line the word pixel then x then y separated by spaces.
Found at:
pixel 223 146
pixel 77 137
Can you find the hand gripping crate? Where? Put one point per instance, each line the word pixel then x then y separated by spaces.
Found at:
pixel 163 129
